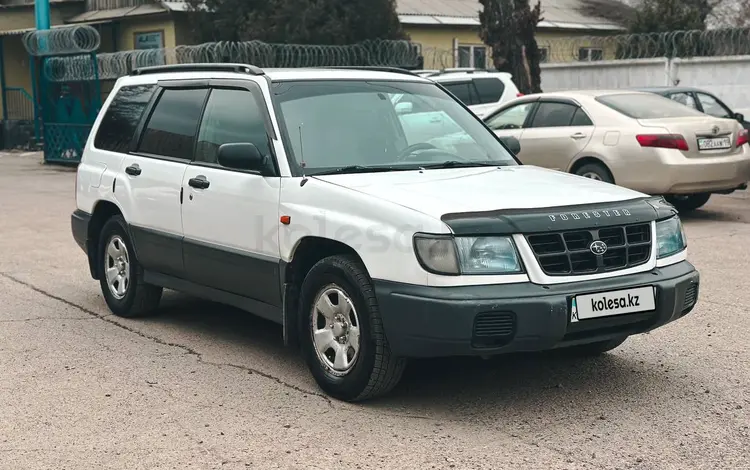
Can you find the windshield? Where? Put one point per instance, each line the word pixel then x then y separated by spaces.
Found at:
pixel 380 125
pixel 647 106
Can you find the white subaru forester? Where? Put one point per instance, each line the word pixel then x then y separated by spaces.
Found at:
pixel 303 196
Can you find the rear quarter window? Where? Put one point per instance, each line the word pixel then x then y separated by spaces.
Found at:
pixel 646 106
pixel 121 118
pixel 490 90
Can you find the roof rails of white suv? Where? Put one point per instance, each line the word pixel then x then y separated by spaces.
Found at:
pixel 251 69
pixel 221 67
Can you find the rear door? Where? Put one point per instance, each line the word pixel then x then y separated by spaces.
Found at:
pixel 559 130
pixel 151 177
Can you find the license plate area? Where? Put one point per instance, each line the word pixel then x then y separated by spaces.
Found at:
pixel 613 303
pixel 714 143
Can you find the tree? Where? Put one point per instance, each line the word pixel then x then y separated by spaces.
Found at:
pixel 508 27
pixel 295 21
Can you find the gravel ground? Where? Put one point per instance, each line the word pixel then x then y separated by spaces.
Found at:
pixel 204 386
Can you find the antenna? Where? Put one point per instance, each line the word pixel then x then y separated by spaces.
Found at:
pixel 302 156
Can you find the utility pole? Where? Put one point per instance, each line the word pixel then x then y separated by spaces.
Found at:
pixel 41 14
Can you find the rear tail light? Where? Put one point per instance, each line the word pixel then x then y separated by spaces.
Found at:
pixel 519 94
pixel 665 141
pixel 742 138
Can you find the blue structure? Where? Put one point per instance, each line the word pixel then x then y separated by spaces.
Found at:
pixel 65 109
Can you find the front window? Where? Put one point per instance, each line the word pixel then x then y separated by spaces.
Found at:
pixel 590 54
pixel 380 125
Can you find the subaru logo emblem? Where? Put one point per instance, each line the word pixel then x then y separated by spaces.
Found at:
pixel 598 247
pixel 715 130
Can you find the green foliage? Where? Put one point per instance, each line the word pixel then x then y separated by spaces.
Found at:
pixel 295 21
pixel 656 16
pixel 509 27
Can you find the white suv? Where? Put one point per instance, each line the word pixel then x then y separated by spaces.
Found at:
pixel 297 195
pixel 481 90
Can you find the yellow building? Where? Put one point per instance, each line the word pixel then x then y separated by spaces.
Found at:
pixel 448 32
pixel 445 30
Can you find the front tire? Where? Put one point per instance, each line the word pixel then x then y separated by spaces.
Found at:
pixel 121 276
pixel 689 203
pixel 341 332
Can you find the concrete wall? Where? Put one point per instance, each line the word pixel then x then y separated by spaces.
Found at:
pixel 726 77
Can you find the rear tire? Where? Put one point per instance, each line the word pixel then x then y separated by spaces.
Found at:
pixel 121 276
pixel 688 203
pixel 595 349
pixel 341 332
pixel 595 171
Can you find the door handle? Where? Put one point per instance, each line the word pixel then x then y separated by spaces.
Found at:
pixel 199 182
pixel 133 170
pixel 578 136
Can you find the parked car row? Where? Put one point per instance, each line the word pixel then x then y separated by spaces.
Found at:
pixel 682 143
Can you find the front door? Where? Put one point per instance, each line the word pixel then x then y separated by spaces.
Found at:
pixel 230 217
pixel 511 121
pixel 557 134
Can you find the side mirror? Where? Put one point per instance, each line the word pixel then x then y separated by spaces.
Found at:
pixel 241 156
pixel 740 117
pixel 404 108
pixel 512 143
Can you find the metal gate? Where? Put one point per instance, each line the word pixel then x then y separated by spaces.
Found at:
pixel 66 105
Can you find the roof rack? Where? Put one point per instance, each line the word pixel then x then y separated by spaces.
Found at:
pixel 203 67
pixel 372 69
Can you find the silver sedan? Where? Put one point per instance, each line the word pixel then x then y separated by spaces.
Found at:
pixel 637 140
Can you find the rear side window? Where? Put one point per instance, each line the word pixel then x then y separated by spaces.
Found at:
pixel 490 90
pixel 122 117
pixel 581 119
pixel 464 91
pixel 646 106
pixel 170 132
pixel 554 115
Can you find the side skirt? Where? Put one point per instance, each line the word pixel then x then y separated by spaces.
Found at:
pixel 263 310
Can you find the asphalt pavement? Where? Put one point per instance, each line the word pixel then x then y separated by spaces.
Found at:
pixel 203 386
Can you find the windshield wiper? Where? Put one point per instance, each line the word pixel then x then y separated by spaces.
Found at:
pixel 358 169
pixel 461 164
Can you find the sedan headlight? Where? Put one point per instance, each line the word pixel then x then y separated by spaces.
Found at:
pixel 467 255
pixel 670 237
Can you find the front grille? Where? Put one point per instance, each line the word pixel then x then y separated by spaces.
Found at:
pixel 493 329
pixel 569 253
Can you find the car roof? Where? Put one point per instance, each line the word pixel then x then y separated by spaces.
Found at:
pixel 461 76
pixel 574 94
pixel 671 89
pixel 224 71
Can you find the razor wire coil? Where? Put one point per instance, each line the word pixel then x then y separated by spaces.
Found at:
pixel 60 65
pixel 67 40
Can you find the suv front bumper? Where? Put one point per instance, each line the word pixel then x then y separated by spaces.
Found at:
pixel 422 321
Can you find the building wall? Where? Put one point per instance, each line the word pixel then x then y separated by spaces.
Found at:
pixel 16 66
pixel 438 43
pixel 127 29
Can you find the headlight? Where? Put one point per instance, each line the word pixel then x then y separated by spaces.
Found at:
pixel 467 255
pixel 670 237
